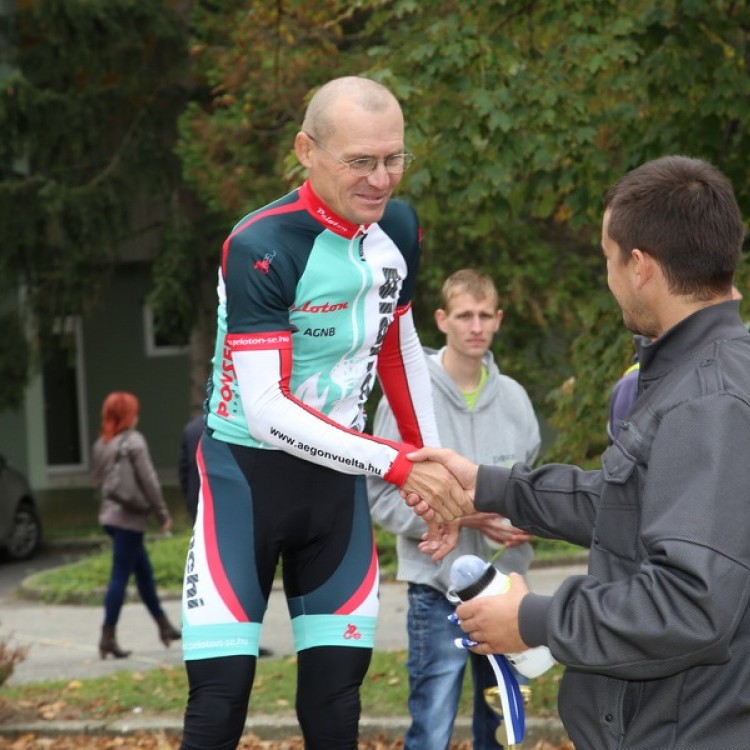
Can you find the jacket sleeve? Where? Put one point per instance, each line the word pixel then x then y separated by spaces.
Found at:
pixel 387 507
pixel 555 501
pixel 98 463
pixel 683 554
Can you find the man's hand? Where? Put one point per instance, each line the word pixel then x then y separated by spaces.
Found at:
pixel 442 538
pixel 439 539
pixel 434 492
pixel 440 485
pixel 496 528
pixel 492 621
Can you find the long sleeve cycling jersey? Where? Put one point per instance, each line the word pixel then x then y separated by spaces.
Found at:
pixel 311 308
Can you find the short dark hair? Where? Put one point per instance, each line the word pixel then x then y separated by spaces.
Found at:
pixel 683 212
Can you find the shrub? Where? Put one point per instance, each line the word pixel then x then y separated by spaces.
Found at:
pixel 9 657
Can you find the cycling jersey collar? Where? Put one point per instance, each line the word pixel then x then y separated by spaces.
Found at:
pixel 325 216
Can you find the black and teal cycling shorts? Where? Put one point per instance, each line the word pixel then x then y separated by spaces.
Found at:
pixel 258 507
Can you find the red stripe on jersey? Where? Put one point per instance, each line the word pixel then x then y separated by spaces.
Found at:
pixel 364 590
pixel 392 374
pixel 215 565
pixel 401 467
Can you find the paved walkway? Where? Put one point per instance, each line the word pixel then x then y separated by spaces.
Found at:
pixel 63 639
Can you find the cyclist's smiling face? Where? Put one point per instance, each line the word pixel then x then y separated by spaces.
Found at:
pixel 358 133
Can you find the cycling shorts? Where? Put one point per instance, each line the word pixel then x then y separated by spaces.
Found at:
pixel 258 507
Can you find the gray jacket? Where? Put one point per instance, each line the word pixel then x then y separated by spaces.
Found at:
pixel 501 430
pixel 656 638
pixel 136 449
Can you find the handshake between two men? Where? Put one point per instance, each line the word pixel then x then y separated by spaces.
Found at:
pixel 440 488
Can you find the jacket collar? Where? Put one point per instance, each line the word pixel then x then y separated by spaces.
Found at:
pixel 692 334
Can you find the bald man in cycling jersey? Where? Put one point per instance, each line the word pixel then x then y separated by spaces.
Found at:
pixel 315 297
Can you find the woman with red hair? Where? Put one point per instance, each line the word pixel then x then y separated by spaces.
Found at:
pixel 119 440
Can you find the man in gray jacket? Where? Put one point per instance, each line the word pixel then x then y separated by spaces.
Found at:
pixel 656 638
pixel 488 416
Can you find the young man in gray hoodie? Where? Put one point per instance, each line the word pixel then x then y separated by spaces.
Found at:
pixel 486 415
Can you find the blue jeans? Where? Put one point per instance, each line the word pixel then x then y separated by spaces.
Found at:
pixel 436 671
pixel 129 555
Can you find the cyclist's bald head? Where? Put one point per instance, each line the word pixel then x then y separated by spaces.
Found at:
pixel 326 103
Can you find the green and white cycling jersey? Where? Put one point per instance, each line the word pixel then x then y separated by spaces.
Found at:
pixel 311 308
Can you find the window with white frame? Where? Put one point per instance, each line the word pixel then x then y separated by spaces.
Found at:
pixel 159 346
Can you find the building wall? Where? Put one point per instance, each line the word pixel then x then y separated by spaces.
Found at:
pixel 115 356
pixel 117 359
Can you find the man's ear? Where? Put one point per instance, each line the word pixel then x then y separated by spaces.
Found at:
pixel 302 147
pixel 440 316
pixel 644 266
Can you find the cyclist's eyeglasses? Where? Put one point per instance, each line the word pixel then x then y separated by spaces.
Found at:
pixel 366 165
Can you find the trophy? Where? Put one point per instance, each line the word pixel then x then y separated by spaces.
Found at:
pixel 493 699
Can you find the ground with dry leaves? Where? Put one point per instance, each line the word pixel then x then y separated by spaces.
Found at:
pixel 11 712
pixel 163 742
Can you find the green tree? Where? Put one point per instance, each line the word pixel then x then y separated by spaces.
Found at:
pixel 257 62
pixel 521 115
pixel 254 65
pixel 90 93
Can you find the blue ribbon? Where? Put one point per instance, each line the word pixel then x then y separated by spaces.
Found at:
pixel 514 715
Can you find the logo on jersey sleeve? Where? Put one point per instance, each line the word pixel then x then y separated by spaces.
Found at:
pixel 264 266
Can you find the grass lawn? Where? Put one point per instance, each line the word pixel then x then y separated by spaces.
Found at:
pixel 82 582
pixel 163 691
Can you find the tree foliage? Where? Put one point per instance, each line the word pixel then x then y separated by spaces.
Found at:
pixel 257 63
pixel 91 90
pixel 521 114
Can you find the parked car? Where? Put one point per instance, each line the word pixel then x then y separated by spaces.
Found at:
pixel 20 526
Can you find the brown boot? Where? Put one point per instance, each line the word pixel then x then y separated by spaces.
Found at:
pixel 167 632
pixel 108 644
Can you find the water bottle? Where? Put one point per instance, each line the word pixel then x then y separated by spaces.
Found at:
pixel 470 576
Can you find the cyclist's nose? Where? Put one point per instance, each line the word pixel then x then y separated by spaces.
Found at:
pixel 380 177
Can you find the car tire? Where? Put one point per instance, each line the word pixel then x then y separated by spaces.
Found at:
pixel 26 537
